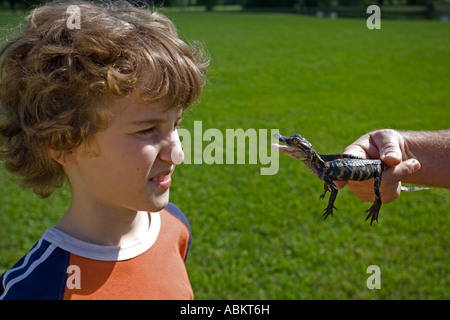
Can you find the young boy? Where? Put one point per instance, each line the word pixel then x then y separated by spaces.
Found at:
pixel 98 102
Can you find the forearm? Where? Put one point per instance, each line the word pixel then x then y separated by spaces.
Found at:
pixel 432 150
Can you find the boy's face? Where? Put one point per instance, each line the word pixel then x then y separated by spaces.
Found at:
pixel 132 163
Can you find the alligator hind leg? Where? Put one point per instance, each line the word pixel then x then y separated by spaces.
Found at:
pixel 375 208
pixel 334 190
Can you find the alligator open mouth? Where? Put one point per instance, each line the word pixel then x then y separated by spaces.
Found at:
pixel 282 147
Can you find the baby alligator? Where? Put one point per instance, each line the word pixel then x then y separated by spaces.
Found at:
pixel 331 167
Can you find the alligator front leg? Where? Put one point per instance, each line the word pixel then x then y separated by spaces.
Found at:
pixel 375 208
pixel 325 189
pixel 334 191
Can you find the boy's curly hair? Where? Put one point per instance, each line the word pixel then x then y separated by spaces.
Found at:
pixel 56 81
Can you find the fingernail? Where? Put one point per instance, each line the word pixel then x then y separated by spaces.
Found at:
pixel 415 165
pixel 392 154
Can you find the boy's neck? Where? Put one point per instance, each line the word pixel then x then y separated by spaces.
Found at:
pixel 104 227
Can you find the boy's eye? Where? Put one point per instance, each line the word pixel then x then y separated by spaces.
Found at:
pixel 151 130
pixel 146 131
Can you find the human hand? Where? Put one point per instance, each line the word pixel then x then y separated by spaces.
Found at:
pixel 389 146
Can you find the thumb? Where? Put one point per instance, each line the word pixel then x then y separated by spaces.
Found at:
pixel 401 171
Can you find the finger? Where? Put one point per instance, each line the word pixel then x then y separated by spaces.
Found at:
pixel 340 184
pixel 362 189
pixel 364 147
pixel 390 192
pixel 389 144
pixel 356 150
pixel 400 171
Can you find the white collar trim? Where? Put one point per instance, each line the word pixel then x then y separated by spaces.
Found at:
pixel 105 253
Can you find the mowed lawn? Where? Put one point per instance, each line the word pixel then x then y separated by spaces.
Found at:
pixel 262 236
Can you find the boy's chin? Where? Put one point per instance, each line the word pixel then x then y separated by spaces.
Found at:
pixel 160 203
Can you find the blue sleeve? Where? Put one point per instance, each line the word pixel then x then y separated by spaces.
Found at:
pixel 1 285
pixel 39 275
pixel 175 211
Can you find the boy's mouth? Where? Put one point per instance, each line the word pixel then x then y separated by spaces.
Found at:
pixel 159 179
pixel 162 180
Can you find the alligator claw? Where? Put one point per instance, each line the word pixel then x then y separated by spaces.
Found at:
pixel 328 211
pixel 373 213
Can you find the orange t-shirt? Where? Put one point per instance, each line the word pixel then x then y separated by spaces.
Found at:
pixel 62 267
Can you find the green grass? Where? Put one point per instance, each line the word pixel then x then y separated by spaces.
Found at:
pixel 262 237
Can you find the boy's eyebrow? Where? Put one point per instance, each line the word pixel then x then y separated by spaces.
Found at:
pixel 146 122
pixel 150 121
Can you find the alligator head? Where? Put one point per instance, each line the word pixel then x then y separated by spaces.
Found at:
pixel 294 146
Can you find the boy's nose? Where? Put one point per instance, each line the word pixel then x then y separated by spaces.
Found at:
pixel 177 154
pixel 172 151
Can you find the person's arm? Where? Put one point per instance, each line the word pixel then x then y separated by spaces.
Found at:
pixel 417 157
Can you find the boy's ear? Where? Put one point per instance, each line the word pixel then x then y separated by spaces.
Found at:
pixel 63 158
